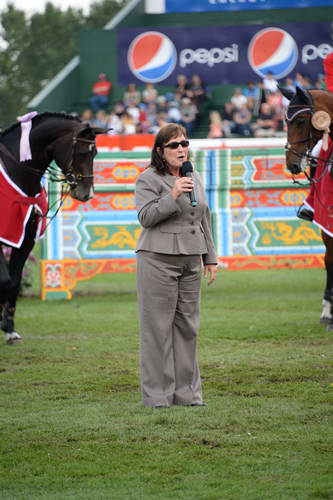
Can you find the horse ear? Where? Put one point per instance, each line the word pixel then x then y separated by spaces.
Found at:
pixel 289 94
pixel 99 130
pixel 304 96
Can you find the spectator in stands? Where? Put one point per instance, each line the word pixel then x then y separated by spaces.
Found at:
pixel 242 121
pixel 162 104
pixel 174 114
pixel 143 126
pixel 215 125
pixel 183 87
pixel 227 119
pixel 151 110
pixel 198 91
pixel 238 99
pixel 143 112
pixel 265 124
pixel 289 84
pixel 114 123
pixel 275 101
pixel 128 124
pixel 252 94
pixel 262 98
pixel 307 82
pixel 131 95
pixel 101 119
pixel 270 84
pixel 278 108
pixel 133 110
pixel 149 93
pixel 161 121
pixel 199 96
pixel 87 115
pixel 119 108
pixel 188 112
pixel 320 81
pixel 301 81
pixel 100 93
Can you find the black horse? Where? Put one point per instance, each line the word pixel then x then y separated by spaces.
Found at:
pixel 309 117
pixel 26 152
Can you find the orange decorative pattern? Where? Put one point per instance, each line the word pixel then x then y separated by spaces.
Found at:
pixel 101 201
pixel 271 197
pixel 272 262
pixel 123 173
pixel 270 169
pixel 61 276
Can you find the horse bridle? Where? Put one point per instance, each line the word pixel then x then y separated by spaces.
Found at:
pixel 302 108
pixel 306 157
pixel 71 177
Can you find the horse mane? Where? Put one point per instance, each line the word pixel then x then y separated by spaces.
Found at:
pixel 39 117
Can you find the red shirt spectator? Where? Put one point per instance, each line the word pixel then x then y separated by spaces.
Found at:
pixel 100 91
pixel 102 86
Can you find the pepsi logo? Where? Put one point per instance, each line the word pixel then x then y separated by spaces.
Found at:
pixel 272 50
pixel 152 57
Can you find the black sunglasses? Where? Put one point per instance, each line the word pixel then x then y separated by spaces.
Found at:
pixel 175 144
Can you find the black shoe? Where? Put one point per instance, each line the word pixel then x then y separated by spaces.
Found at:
pixel 304 213
pixel 160 407
pixel 199 404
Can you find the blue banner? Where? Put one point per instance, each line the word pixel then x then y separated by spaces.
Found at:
pixel 222 54
pixel 234 5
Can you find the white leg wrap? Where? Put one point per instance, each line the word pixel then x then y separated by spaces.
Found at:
pixel 326 312
pixel 12 338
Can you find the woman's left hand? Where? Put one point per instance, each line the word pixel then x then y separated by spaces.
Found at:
pixel 211 270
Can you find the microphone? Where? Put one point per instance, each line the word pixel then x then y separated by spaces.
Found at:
pixel 186 171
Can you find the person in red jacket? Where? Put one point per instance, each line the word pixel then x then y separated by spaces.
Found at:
pixel 328 70
pixel 100 93
pixel 305 211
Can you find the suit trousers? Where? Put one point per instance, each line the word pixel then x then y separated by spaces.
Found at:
pixel 169 302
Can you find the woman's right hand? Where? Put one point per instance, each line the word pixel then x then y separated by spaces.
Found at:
pixel 182 185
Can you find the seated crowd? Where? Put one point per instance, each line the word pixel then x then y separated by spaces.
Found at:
pixel 145 112
pixel 257 110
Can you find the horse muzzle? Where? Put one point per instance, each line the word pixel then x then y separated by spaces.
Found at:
pixel 297 162
pixel 81 193
pixel 294 168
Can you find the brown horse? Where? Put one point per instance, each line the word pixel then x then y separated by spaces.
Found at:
pixel 309 117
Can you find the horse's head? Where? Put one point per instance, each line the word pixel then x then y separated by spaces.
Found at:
pixel 305 125
pixel 74 153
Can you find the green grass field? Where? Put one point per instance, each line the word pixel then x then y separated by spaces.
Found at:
pixel 72 426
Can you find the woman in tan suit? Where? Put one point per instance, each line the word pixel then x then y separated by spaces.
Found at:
pixel 174 245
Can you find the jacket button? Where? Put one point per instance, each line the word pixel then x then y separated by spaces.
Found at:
pixel 193 214
pixel 193 232
pixel 192 223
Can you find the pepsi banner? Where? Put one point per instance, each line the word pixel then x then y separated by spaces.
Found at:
pixel 222 54
pixel 234 5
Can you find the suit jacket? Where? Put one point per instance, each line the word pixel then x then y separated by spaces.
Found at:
pixel 173 226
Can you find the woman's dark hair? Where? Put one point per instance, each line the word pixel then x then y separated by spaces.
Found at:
pixel 167 132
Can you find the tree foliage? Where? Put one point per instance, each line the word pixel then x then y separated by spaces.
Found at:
pixel 33 49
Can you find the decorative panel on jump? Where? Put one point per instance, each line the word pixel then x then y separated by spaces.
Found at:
pixel 252 199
